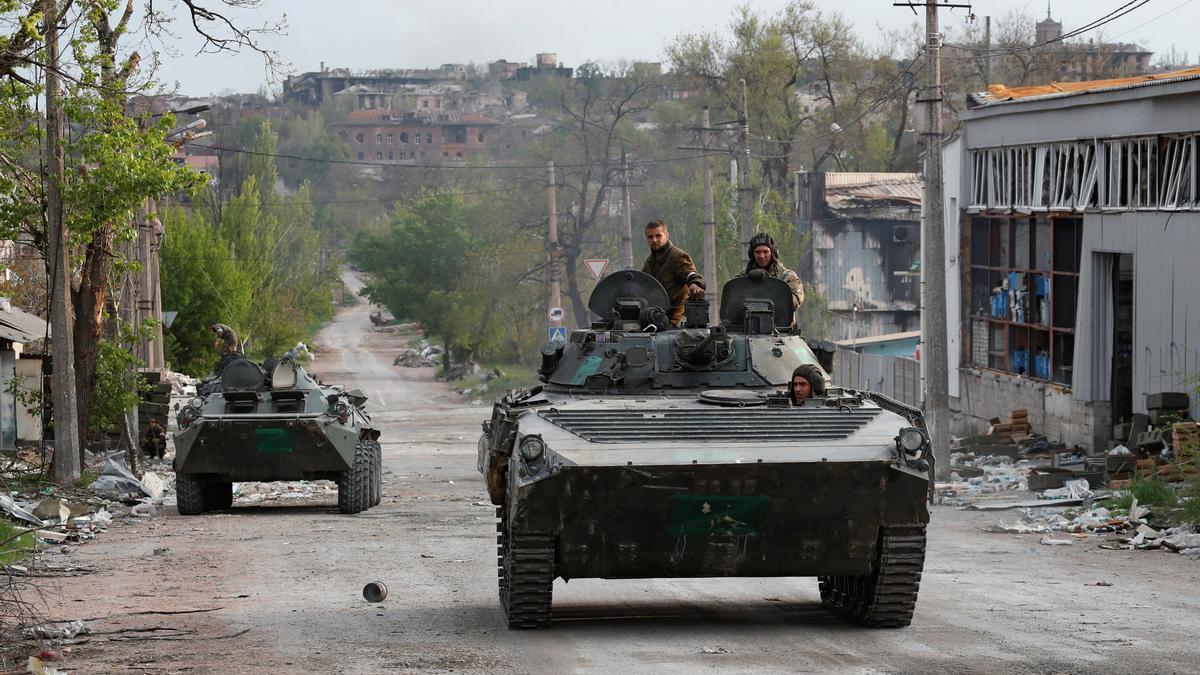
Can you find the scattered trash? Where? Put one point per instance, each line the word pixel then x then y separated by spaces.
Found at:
pixel 37 666
pixel 116 480
pixel 144 510
pixel 154 484
pixel 1103 583
pixel 161 551
pixel 9 506
pixel 1072 489
pixel 715 650
pixel 375 591
pixel 1050 541
pixel 50 632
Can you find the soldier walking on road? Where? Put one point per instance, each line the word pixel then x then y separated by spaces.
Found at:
pixel 673 268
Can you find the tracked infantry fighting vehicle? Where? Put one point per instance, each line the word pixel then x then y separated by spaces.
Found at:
pixel 675 453
pixel 250 423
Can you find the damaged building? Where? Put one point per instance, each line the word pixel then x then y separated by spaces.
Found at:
pixel 1073 244
pixel 865 252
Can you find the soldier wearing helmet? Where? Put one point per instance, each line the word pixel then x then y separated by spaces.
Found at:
pixel 763 262
pixel 807 382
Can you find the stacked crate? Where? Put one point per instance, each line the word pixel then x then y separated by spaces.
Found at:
pixel 1015 429
pixel 156 402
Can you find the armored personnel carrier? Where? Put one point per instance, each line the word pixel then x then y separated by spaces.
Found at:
pixel 653 451
pixel 250 423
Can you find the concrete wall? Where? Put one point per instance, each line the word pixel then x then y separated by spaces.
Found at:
pixel 8 408
pixel 29 426
pixel 1053 412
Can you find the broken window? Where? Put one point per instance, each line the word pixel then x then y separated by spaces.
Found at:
pixel 429 138
pixel 404 137
pixel 390 156
pixel 358 137
pixel 1023 290
pixel 1156 172
pixel 480 137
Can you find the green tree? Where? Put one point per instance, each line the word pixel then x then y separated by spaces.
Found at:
pixel 415 265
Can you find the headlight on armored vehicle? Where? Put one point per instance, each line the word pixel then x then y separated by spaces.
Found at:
pixel 196 403
pixel 912 441
pixel 532 447
pixel 186 416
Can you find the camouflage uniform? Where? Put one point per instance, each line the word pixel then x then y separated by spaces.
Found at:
pixel 674 269
pixel 225 335
pixel 777 271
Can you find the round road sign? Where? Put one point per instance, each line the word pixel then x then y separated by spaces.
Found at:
pixel 556 313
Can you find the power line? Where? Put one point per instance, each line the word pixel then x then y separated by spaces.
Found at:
pixel 1147 23
pixel 1121 11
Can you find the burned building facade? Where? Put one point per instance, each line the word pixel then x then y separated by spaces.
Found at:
pixel 1072 221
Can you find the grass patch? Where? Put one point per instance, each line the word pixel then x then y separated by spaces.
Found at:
pixel 1190 513
pixel 13 551
pixel 1148 491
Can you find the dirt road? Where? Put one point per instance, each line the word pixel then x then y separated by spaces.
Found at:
pixel 283 583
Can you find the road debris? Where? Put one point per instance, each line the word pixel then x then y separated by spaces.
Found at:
pixel 715 650
pixel 47 631
pixel 376 591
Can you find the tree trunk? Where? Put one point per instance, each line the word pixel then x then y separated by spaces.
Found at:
pixel 446 354
pixel 90 299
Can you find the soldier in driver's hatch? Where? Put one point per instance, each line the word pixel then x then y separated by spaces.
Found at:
pixel 227 339
pixel 807 382
pixel 763 262
pixel 673 268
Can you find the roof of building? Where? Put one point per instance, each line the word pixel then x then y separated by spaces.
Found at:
pixel 848 190
pixel 17 325
pixel 999 93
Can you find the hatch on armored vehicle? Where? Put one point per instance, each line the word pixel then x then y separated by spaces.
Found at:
pixel 256 423
pixel 659 451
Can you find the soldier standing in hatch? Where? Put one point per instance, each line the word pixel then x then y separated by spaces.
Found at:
pixel 764 262
pixel 673 268
pixel 227 339
pixel 807 382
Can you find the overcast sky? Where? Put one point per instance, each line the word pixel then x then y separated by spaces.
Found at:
pixel 365 34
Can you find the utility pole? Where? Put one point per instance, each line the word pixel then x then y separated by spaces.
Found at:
pixel 745 192
pixel 66 413
pixel 552 241
pixel 934 355
pixel 987 55
pixel 626 215
pixel 710 224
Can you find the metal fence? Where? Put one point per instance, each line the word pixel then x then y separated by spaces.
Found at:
pixel 893 376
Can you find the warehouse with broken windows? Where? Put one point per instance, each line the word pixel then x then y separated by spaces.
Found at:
pixel 1073 240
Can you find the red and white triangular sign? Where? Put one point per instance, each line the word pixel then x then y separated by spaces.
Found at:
pixel 596 266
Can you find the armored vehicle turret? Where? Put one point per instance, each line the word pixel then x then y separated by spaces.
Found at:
pixel 256 423
pixel 655 451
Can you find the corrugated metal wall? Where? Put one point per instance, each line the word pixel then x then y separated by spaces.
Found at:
pixel 892 376
pixel 1166 288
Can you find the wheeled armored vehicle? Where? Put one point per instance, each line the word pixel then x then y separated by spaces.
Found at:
pixel 652 451
pixel 254 423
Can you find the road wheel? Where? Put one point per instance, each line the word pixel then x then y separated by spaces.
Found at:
pixel 526 578
pixel 377 474
pixel 354 484
pixel 218 494
pixel 189 494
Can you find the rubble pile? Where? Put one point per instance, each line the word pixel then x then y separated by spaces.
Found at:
pixel 973 477
pixel 257 493
pixel 424 355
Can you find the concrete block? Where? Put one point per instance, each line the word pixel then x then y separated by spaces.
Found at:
pixel 1168 400
pixel 1160 417
pixel 1121 431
